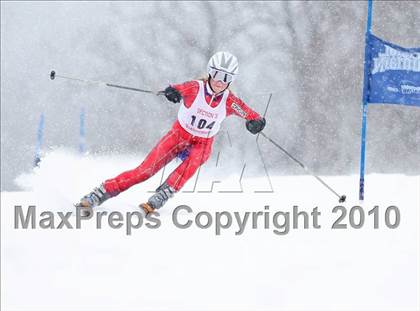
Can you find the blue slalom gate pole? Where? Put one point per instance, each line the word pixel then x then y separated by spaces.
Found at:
pixel 367 63
pixel 82 137
pixel 39 138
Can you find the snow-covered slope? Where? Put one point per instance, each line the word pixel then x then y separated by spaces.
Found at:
pixel 194 269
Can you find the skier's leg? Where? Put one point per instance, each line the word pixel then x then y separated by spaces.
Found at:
pixel 161 154
pixel 199 153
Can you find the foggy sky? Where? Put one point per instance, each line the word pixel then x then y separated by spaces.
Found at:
pixel 308 54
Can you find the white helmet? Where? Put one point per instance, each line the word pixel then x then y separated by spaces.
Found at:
pixel 223 66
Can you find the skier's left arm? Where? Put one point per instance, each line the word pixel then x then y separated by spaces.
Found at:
pixel 255 123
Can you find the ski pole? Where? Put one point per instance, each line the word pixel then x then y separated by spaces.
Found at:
pixel 342 198
pixel 53 75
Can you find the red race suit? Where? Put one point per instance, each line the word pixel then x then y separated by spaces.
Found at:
pixel 180 138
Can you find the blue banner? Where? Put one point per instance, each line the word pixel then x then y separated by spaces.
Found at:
pixel 394 73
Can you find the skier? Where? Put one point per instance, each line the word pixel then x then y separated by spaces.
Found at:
pixel 205 105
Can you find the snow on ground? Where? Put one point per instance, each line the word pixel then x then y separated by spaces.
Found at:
pixel 169 268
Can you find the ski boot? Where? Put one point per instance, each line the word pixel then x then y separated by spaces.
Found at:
pixel 156 201
pixel 95 198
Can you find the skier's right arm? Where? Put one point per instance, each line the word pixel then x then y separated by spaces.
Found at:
pixel 186 91
pixel 172 94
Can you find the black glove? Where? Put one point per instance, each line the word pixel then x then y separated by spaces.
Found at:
pixel 255 126
pixel 172 94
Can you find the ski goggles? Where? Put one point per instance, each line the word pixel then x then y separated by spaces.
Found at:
pixel 222 76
